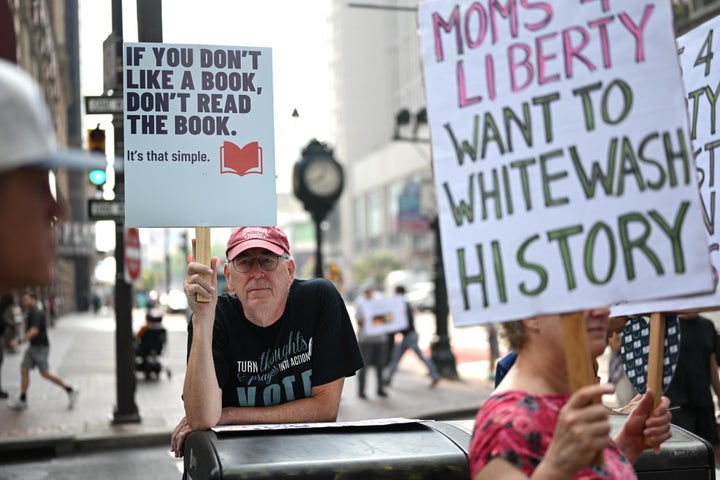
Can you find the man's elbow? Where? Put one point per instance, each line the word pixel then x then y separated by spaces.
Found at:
pixel 202 420
pixel 325 415
pixel 200 423
pixel 329 413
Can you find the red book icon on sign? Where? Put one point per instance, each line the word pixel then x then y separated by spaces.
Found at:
pixel 241 161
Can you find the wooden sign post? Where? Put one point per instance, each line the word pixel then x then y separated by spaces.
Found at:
pixel 577 350
pixel 578 361
pixel 202 253
pixel 655 356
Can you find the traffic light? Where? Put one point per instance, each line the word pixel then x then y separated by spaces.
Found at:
pixel 96 145
pixel 334 273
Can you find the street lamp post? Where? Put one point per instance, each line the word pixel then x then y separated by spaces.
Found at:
pixel 440 349
pixel 442 354
pixel 318 246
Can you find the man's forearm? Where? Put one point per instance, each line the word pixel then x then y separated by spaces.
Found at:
pixel 29 335
pixel 201 394
pixel 322 406
pixel 299 411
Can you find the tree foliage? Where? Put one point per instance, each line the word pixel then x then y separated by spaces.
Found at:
pixel 375 266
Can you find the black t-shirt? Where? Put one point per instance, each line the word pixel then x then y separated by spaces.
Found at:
pixel 36 318
pixel 690 385
pixel 312 343
pixel 410 318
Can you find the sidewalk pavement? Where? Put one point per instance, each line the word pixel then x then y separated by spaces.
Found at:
pixel 82 352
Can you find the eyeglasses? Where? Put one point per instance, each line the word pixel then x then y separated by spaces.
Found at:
pixel 268 262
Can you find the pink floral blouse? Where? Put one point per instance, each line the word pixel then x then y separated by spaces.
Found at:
pixel 518 428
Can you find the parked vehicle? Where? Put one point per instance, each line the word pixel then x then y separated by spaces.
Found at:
pixel 421 296
pixel 406 278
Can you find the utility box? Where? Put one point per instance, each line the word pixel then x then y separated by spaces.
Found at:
pixel 397 451
pixel 406 450
pixel 684 455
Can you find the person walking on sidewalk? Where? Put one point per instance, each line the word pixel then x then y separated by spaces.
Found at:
pixel 409 341
pixel 6 302
pixel 372 346
pixel 36 355
pixel 29 209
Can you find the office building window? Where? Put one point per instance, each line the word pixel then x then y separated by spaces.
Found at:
pixel 375 216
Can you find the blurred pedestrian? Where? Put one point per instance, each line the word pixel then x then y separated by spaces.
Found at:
pixel 494 347
pixel 373 346
pixel 96 301
pixel 36 355
pixel 6 302
pixel 696 375
pixel 410 341
pixel 29 208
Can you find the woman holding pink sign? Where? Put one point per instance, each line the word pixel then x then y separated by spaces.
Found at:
pixel 533 426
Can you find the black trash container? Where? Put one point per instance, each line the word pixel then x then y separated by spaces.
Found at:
pixel 411 450
pixel 408 450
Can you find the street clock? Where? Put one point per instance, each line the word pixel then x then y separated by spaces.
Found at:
pixel 318 179
pixel 322 177
pixel 318 182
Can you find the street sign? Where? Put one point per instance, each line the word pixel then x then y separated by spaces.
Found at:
pixel 103 105
pixel 106 209
pixel 112 62
pixel 132 254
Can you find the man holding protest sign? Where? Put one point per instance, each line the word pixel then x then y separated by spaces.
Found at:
pixel 277 350
pixel 533 424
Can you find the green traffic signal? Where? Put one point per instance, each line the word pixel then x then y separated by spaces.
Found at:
pixel 97 177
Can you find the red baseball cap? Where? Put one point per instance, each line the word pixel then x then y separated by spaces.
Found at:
pixel 245 238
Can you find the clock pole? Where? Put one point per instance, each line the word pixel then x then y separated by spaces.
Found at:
pixel 318 246
pixel 318 182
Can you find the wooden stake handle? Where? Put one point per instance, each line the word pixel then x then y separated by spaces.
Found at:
pixel 656 356
pixel 578 361
pixel 202 253
pixel 654 380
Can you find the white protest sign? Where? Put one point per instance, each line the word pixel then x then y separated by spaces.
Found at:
pixel 561 156
pixel 701 76
pixel 384 315
pixel 199 136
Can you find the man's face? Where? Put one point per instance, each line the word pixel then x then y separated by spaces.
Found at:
pixel 258 288
pixel 27 301
pixel 27 242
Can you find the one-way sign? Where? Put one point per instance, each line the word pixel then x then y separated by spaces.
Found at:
pixel 103 105
pixel 106 210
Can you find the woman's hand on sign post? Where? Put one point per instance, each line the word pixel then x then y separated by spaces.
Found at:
pixel 646 427
pixel 582 431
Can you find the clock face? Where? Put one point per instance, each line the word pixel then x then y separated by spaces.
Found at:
pixel 322 177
